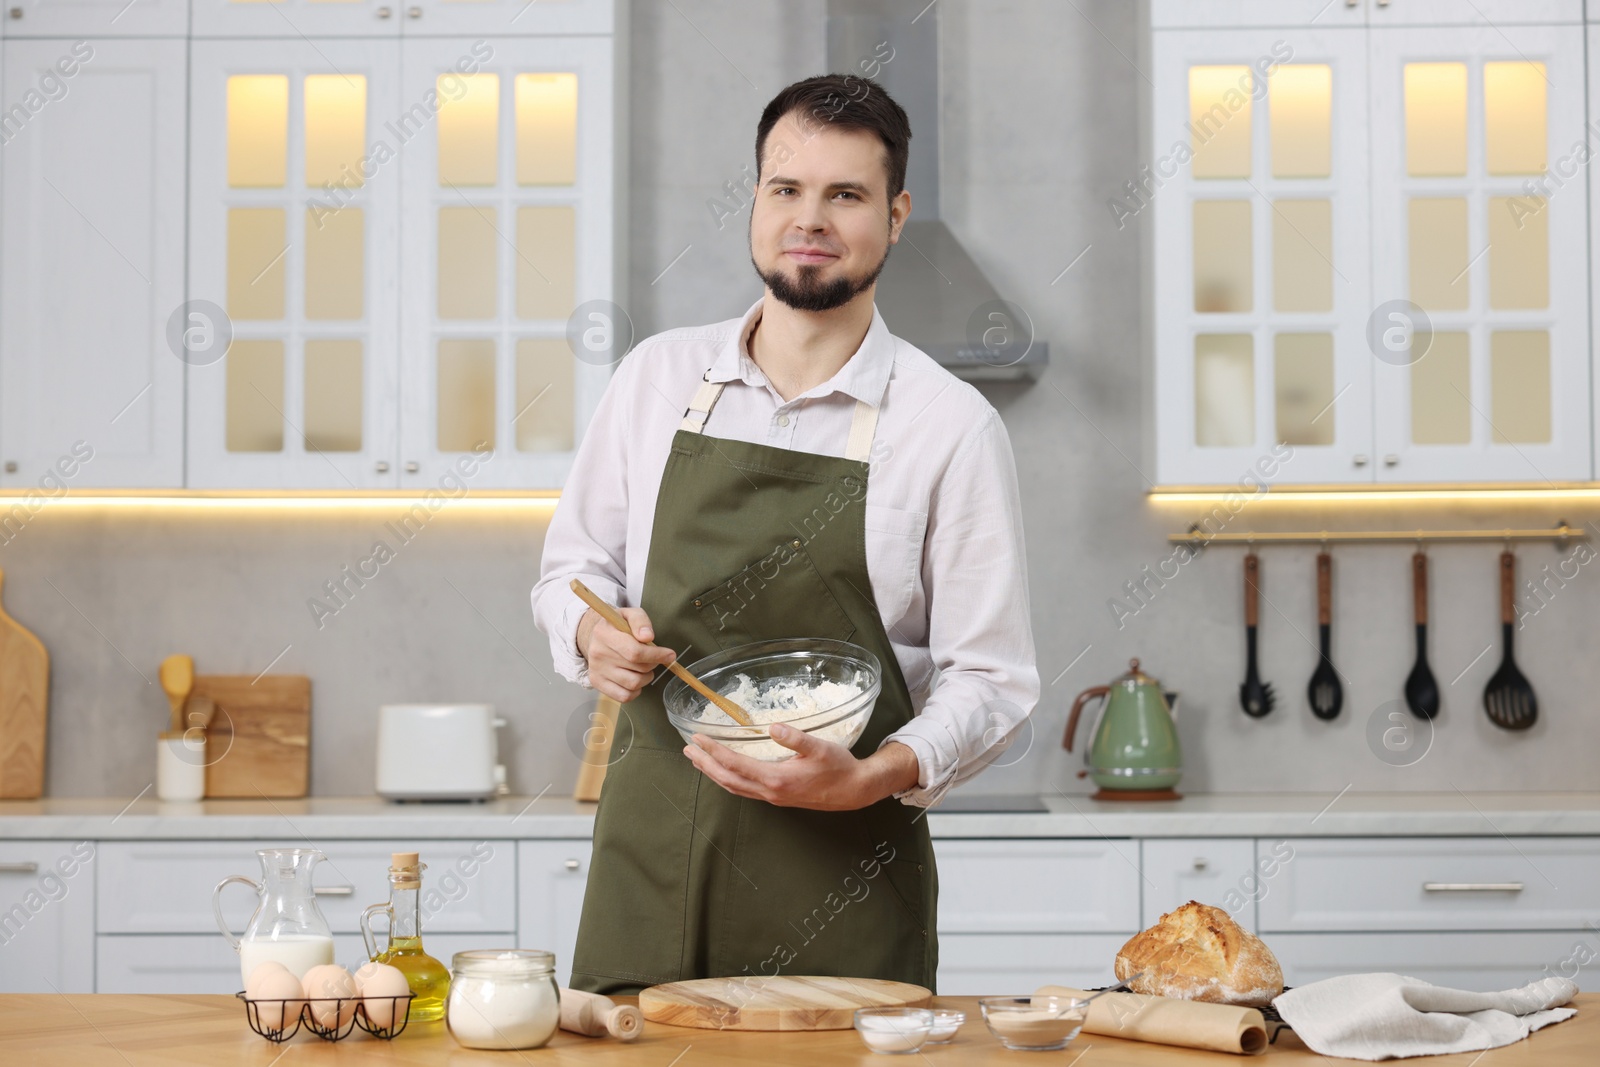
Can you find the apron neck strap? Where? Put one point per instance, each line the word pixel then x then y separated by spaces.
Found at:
pixel 863 422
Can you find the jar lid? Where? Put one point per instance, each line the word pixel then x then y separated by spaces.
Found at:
pixel 504 962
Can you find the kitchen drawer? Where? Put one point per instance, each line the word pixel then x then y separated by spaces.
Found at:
pixel 1038 887
pixel 1439 883
pixel 164 887
pixel 1485 962
pixel 200 963
pixel 46 916
pixel 998 965
pixel 1220 871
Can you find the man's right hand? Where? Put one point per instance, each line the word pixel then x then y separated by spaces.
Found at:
pixel 620 665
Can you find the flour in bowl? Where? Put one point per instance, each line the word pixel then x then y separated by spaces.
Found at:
pixel 781 703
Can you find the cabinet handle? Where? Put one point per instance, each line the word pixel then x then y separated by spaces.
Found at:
pixel 11 466
pixel 383 12
pixel 382 465
pixel 1200 863
pixel 571 865
pixel 1359 459
pixel 18 868
pixel 412 466
pixel 1391 460
pixel 414 12
pixel 334 890
pixel 1472 887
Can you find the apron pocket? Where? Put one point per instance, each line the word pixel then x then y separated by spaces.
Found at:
pixel 762 601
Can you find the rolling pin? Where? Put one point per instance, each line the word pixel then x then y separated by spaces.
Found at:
pixel 592 1015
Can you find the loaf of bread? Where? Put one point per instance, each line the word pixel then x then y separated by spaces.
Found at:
pixel 1198 952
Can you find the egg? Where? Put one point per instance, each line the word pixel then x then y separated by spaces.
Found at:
pixel 327 981
pixel 379 983
pixel 279 993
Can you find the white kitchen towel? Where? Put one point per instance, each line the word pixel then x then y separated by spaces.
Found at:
pixel 1390 1016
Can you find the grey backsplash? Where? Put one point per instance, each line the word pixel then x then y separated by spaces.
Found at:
pixel 1040 119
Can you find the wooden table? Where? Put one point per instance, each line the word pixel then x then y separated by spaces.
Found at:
pixel 117 1030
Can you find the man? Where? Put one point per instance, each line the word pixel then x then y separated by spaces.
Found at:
pixel 795 472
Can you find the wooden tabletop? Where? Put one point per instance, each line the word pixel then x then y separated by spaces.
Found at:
pixel 117 1030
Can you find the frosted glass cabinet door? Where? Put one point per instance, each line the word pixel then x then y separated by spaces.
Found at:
pixel 96 18
pixel 507 234
pixel 91 265
pixel 1480 220
pixel 298 18
pixel 1257 203
pixel 292 246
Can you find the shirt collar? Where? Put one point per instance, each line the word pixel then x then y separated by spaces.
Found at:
pixel 864 376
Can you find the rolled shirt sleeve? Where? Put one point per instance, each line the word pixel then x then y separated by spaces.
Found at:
pixel 980 633
pixel 587 536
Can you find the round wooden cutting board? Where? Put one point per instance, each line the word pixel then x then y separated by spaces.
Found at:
pixel 784 1002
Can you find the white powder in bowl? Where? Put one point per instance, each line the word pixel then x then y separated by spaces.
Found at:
pixel 784 702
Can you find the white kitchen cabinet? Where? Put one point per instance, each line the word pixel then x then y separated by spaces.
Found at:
pixel 551 877
pixel 164 887
pixel 1484 962
pixel 1446 883
pixel 499 19
pixel 1220 871
pixel 1467 122
pixel 292 246
pixel 1486 14
pixel 197 963
pixel 1279 356
pixel 47 891
pixel 1217 14
pixel 1260 265
pixel 507 235
pixel 1016 964
pixel 1037 886
pixel 297 19
pixel 91 263
pixel 96 18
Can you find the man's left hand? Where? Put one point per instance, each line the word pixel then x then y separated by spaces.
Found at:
pixel 821 775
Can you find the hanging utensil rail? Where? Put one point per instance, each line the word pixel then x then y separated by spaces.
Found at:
pixel 1196 535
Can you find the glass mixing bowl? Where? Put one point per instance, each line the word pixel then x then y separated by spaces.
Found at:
pixel 769 665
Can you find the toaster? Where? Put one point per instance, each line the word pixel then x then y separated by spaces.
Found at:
pixel 439 752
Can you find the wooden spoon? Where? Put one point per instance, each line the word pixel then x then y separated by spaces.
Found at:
pixel 177 681
pixel 614 617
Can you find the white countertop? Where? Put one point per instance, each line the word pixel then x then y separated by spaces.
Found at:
pixel 1350 814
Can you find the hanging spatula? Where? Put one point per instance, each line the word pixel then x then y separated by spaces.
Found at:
pixel 1508 698
pixel 1422 692
pixel 1254 696
pixel 1325 691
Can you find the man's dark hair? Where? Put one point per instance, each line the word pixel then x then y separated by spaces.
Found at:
pixel 843 102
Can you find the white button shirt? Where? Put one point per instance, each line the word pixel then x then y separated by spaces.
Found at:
pixel 943 521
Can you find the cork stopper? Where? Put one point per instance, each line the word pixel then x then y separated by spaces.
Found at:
pixel 404 870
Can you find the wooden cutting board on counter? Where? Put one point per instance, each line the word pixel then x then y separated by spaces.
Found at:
pixel 24 709
pixel 784 1002
pixel 258 741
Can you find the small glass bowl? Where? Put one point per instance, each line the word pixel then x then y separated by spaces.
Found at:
pixel 946 1021
pixel 1034 1024
pixel 769 664
pixel 894 1030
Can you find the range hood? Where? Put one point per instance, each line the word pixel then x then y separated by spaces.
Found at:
pixel 931 292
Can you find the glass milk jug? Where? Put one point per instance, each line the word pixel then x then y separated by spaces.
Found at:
pixel 287 925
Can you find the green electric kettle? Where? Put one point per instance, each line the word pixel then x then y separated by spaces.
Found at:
pixel 1134 754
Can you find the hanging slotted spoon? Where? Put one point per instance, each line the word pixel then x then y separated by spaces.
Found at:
pixel 1508 698
pixel 1325 691
pixel 1422 692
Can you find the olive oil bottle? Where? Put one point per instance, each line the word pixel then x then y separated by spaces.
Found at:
pixel 428 978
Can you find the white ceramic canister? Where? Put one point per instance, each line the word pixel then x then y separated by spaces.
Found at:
pixel 181 765
pixel 503 998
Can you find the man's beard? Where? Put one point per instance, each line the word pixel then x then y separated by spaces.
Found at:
pixel 807 293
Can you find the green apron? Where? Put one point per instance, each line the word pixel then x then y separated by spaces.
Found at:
pixel 752 542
